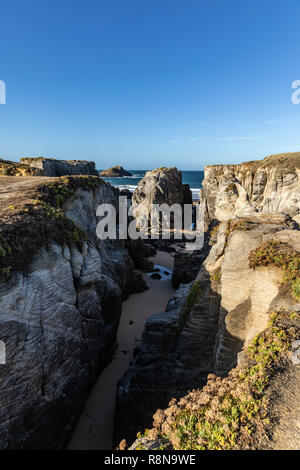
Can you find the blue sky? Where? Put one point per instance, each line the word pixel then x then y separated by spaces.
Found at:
pixel 149 83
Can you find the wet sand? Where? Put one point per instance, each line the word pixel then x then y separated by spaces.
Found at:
pixel 94 429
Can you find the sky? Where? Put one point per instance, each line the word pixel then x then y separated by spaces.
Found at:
pixel 151 83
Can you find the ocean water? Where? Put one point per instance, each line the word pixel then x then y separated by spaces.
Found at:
pixel 193 178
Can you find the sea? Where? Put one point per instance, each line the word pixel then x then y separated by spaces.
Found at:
pixel 193 178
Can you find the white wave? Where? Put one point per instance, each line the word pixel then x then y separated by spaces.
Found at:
pixel 195 193
pixel 126 186
pixel 131 187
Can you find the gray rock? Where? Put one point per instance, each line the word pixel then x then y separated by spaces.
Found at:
pixel 53 167
pixel 186 267
pixel 184 344
pixel 59 320
pixel 115 172
pixel 160 186
pixel 155 276
pixel 271 185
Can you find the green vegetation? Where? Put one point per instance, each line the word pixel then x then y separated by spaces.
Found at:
pixel 8 168
pixel 216 277
pixel 281 255
pixel 230 187
pixel 215 230
pixel 193 295
pixel 286 161
pixel 36 223
pixel 63 188
pixel 239 224
pixel 31 159
pixel 231 413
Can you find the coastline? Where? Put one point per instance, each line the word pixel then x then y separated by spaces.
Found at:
pixel 192 178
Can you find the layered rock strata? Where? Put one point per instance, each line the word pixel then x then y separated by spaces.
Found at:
pixel 271 185
pixel 61 292
pixel 208 322
pixel 53 167
pixel 160 186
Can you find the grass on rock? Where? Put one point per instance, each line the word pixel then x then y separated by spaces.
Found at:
pixel 26 228
pixel 231 412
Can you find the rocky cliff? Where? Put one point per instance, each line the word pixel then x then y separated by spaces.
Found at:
pixel 253 269
pixel 52 167
pixel 60 302
pixel 271 185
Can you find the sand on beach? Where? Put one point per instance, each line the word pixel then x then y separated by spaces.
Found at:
pixel 94 429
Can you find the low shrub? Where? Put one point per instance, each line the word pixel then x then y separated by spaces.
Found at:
pixel 283 256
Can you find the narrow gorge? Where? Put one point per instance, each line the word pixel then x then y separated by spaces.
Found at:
pixel 218 339
pixel 61 300
pixel 252 272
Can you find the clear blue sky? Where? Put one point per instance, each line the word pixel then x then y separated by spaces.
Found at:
pixel 149 83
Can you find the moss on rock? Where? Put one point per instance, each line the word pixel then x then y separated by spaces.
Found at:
pixel 8 168
pixel 39 221
pixel 283 256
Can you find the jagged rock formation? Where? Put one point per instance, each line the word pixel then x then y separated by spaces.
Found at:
pixel 255 407
pixel 271 185
pixel 160 186
pixel 53 167
pixel 163 185
pixel 60 303
pixel 207 323
pixel 8 168
pixel 115 172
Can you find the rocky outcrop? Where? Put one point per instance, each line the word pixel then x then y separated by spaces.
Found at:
pixel 160 186
pixel 115 172
pixel 60 303
pixel 271 185
pixel 163 185
pixel 186 266
pixel 53 167
pixel 8 168
pixel 208 322
pixel 254 407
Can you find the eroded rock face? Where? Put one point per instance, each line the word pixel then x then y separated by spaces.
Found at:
pixel 181 346
pixel 271 185
pixel 59 320
pixel 160 186
pixel 52 167
pixel 186 266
